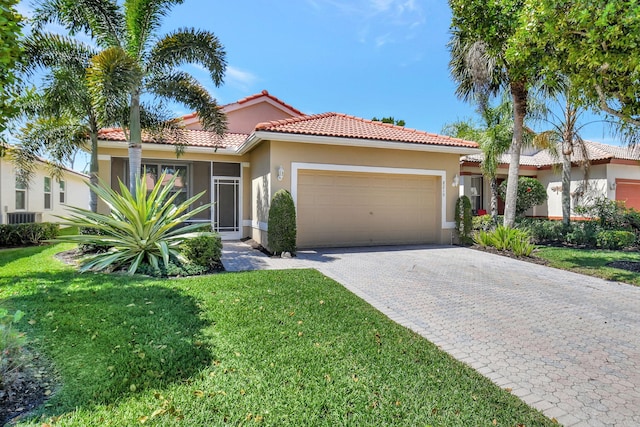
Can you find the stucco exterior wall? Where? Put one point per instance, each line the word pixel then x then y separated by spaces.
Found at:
pixel 286 153
pixel 261 191
pixel 76 193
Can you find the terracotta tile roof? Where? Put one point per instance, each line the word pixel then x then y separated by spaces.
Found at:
pixel 595 151
pixel 268 95
pixel 193 138
pixel 342 125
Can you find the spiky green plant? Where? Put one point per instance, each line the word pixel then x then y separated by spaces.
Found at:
pixel 141 227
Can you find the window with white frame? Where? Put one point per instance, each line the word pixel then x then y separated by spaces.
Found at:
pixel 47 192
pixel 63 192
pixel 21 194
pixel 476 194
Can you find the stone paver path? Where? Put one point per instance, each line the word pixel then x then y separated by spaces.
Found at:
pixel 567 344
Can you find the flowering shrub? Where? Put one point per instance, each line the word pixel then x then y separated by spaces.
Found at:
pixel 530 193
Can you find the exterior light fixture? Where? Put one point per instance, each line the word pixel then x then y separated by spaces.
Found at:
pixel 280 173
pixel 455 181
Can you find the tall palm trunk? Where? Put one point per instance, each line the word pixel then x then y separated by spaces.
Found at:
pixel 519 94
pixel 494 198
pixel 135 140
pixel 93 165
pixel 566 183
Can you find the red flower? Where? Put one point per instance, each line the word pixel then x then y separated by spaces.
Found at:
pixel 528 189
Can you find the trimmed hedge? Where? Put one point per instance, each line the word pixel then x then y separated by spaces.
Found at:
pixel 33 233
pixel 615 239
pixel 464 220
pixel 204 250
pixel 282 233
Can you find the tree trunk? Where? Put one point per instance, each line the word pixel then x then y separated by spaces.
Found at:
pixel 135 140
pixel 566 184
pixel 93 164
pixel 494 199
pixel 519 95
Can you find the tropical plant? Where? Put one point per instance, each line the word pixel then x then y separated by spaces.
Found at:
pixel 281 235
pixel 12 342
pixel 10 52
pixel 135 58
pixel 530 193
pixel 615 239
pixel 464 220
pixel 142 227
pixel 494 137
pixel 482 63
pixel 506 239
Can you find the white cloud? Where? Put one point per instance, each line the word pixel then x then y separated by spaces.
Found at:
pixel 240 78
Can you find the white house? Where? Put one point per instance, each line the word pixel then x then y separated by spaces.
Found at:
pixel 44 198
pixel 614 173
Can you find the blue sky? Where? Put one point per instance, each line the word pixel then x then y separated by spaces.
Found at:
pixel 361 57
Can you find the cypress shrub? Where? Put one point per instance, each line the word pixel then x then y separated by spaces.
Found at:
pixel 282 224
pixel 464 220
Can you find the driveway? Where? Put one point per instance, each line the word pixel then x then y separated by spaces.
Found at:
pixel 567 344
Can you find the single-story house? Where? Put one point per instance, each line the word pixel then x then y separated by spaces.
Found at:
pixel 614 173
pixel 44 198
pixel 353 181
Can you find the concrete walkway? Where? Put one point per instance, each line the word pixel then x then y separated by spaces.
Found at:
pixel 567 344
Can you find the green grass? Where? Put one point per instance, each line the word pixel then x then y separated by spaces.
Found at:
pixel 277 348
pixel 592 262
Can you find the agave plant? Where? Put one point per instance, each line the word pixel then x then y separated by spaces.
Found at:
pixel 141 227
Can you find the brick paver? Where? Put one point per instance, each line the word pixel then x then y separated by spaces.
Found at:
pixel 567 344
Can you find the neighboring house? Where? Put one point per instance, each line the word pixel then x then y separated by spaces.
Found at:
pixel 353 181
pixel 42 199
pixel 614 173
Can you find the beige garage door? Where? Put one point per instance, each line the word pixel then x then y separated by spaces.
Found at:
pixel 628 191
pixel 356 209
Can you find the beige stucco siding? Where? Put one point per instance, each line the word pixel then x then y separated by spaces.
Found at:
pixel 443 165
pixel 261 191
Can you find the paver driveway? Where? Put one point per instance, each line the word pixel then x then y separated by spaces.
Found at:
pixel 566 344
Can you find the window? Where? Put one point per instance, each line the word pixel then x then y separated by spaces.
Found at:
pixel 21 194
pixel 179 171
pixel 476 194
pixel 47 192
pixel 63 195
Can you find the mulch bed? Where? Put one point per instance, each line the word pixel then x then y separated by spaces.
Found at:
pixel 532 259
pixel 633 266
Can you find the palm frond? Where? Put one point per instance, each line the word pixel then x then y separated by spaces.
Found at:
pixel 189 45
pixel 142 19
pixel 45 50
pixel 182 87
pixel 101 19
pixel 112 75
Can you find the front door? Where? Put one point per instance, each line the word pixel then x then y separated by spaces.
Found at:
pixel 226 207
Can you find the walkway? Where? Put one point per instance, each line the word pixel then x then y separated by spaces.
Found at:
pixel 567 344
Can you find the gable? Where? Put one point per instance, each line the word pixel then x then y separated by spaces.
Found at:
pixel 244 120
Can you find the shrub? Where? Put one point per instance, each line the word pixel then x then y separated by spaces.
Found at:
pixel 543 230
pixel 583 233
pixel 12 355
pixel 464 220
pixel 33 233
pixel 144 227
pixel 204 250
pixel 615 239
pixel 530 193
pixel 484 222
pixel 506 239
pixel 97 245
pixel 175 268
pixel 281 236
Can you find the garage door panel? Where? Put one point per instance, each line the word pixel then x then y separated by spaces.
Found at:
pixel 628 191
pixel 345 209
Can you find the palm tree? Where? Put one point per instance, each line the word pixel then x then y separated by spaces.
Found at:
pixel 62 115
pixel 133 57
pixel 563 141
pixel 494 137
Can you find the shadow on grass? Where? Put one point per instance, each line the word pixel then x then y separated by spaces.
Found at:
pixel 110 337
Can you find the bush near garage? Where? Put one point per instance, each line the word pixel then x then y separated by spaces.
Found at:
pixel 282 233
pixel 464 220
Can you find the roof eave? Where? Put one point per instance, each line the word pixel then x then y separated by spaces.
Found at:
pixel 169 147
pixel 263 135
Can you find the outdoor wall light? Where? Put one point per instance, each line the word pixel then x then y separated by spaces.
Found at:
pixel 280 173
pixel 612 185
pixel 455 181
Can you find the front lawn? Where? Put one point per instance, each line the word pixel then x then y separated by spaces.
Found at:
pixel 592 262
pixel 260 348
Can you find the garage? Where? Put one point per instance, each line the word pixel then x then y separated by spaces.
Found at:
pixel 337 208
pixel 628 191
